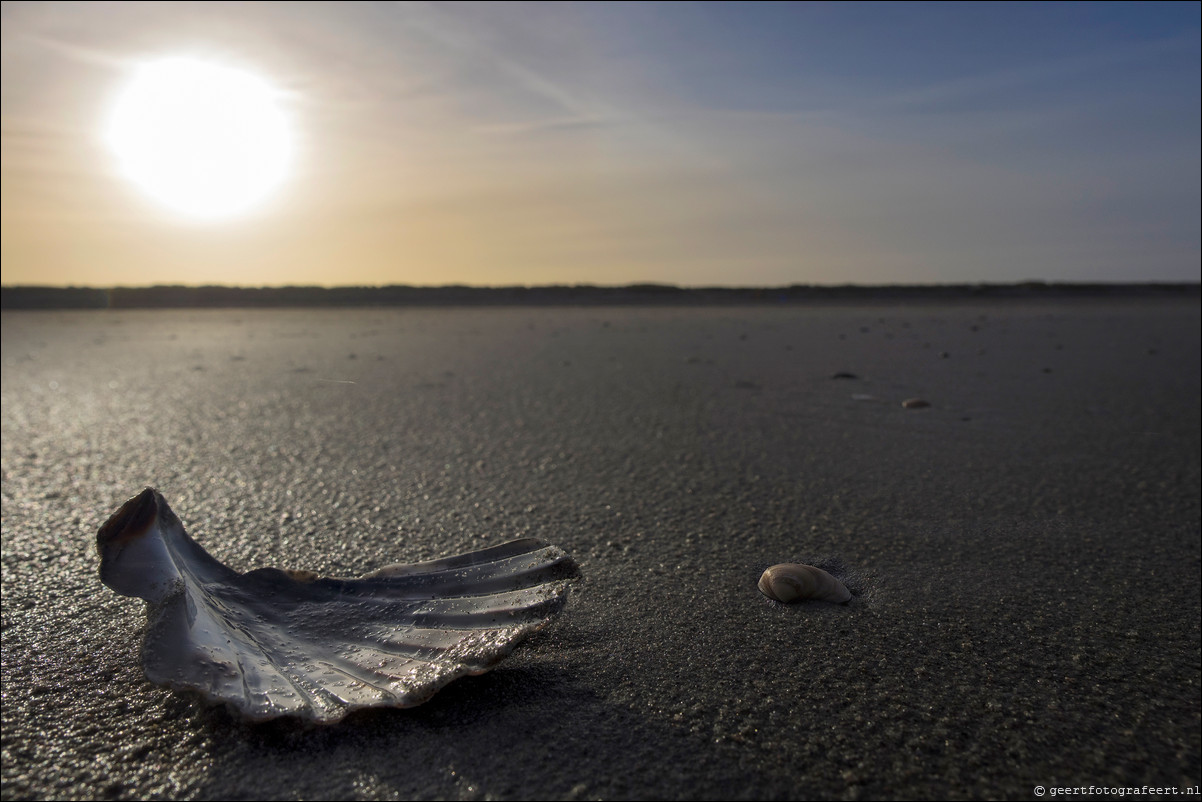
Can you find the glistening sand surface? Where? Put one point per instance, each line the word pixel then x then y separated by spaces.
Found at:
pixel 1025 551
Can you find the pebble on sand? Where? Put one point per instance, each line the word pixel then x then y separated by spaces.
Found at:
pixel 915 403
pixel 790 582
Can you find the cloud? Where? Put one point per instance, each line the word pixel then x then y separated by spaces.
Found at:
pixel 1000 90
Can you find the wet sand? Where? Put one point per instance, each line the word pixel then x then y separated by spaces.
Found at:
pixel 1024 552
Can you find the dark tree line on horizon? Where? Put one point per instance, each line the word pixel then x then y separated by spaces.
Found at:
pixel 180 297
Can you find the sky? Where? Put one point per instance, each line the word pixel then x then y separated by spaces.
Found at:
pixel 696 144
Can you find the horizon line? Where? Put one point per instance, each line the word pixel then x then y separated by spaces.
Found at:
pixel 33 297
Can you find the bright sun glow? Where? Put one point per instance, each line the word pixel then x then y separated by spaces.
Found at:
pixel 208 141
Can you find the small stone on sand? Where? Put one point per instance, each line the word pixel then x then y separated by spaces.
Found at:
pixel 915 403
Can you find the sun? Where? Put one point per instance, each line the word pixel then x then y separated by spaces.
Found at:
pixel 206 140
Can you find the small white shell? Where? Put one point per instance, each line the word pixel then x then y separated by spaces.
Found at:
pixel 790 582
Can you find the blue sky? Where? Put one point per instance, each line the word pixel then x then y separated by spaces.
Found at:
pixel 697 144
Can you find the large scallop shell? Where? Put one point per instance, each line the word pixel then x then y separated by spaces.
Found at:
pixel 790 582
pixel 275 643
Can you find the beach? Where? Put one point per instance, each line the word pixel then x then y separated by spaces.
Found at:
pixel 1024 553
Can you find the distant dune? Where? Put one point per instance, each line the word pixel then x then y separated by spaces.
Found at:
pixel 160 297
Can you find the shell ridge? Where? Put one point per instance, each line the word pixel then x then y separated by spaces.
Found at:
pixel 405 649
pixel 326 705
pixel 321 700
pixel 357 676
pixel 164 666
pixel 258 640
pixel 402 574
pixel 234 653
pixel 445 640
pixel 437 672
pixel 447 585
pixel 247 695
pixel 242 633
pixel 455 615
pixel 501 551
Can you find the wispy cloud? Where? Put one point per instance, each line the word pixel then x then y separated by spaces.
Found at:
pixel 1001 89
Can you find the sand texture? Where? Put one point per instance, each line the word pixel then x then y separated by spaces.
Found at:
pixel 1023 552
